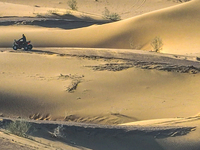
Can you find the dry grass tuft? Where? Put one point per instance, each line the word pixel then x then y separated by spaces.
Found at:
pixel 157 44
pixel 19 128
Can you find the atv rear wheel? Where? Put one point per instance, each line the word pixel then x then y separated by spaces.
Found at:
pixel 30 47
pixel 15 47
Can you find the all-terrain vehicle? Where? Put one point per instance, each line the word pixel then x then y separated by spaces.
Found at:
pixel 19 44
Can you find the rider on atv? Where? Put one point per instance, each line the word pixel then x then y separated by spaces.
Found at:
pixel 22 40
pixel 22 43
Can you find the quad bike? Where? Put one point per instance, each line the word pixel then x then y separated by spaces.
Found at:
pixel 19 44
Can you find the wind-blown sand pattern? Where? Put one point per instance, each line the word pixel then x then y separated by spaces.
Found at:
pixel 94 84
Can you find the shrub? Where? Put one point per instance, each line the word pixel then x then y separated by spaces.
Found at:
pixel 72 4
pixel 73 86
pixel 111 16
pixel 57 133
pixel 114 17
pixel 157 44
pixel 18 127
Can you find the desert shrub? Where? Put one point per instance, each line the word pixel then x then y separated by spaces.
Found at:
pixel 111 16
pixel 72 4
pixel 58 131
pixel 18 127
pixel 157 44
pixel 73 86
pixel 114 17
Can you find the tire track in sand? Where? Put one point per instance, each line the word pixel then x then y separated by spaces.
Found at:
pixel 142 3
pixel 138 4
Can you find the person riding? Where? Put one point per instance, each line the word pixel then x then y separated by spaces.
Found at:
pixel 23 38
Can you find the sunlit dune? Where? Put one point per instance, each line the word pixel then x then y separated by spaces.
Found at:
pixel 96 83
pixel 135 33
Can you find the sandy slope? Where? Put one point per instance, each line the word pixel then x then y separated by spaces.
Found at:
pixel 180 134
pixel 10 10
pixel 133 89
pixel 136 32
pixel 125 8
pixel 43 92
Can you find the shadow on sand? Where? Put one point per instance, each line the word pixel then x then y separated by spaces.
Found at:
pixel 99 137
pixel 66 21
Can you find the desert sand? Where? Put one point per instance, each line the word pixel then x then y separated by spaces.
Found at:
pixel 93 83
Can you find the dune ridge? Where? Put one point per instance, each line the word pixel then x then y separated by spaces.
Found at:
pixel 125 8
pixel 123 137
pixel 135 33
pixel 61 71
pixel 92 84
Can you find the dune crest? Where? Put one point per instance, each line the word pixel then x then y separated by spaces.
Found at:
pixel 180 21
pixel 92 84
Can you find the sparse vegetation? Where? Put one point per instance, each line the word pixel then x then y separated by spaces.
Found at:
pixel 52 11
pixel 57 133
pixel 73 86
pixel 111 16
pixel 18 127
pixel 72 4
pixel 157 44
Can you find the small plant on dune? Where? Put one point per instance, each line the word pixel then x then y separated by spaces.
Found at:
pixel 72 4
pixel 111 16
pixel 19 128
pixel 157 44
pixel 73 86
pixel 57 133
pixel 115 17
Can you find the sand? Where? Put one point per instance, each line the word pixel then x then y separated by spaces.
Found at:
pixel 93 83
pixel 136 32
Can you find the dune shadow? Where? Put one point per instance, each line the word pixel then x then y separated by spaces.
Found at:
pixel 67 21
pixel 98 137
pixel 63 24
pixel 103 137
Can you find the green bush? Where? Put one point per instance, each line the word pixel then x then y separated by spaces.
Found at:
pixel 157 44
pixel 18 127
pixel 72 4
pixel 114 17
pixel 111 16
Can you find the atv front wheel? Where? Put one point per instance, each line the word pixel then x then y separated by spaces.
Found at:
pixel 15 47
pixel 26 48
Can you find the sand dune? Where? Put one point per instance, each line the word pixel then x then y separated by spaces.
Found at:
pixel 63 135
pixel 10 10
pixel 90 83
pixel 38 92
pixel 136 32
pixel 125 8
